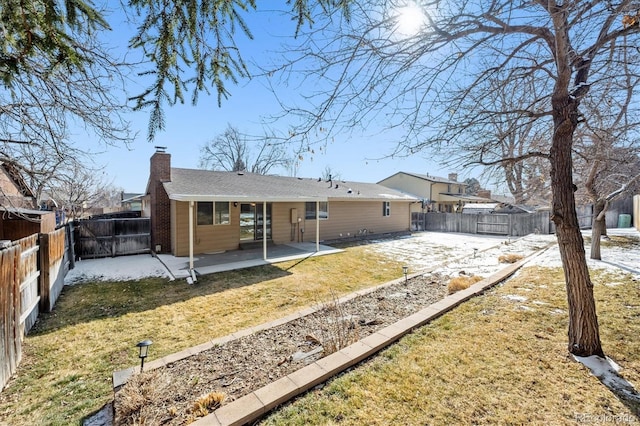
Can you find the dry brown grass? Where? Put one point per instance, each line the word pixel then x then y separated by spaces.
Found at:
pixel 492 360
pixel 462 282
pixel 134 398
pixel 206 404
pixel 63 379
pixel 510 258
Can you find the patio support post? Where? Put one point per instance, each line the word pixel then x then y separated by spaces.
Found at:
pixel 264 230
pixel 190 236
pixel 317 226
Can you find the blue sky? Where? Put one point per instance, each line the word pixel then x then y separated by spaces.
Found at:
pixel 356 157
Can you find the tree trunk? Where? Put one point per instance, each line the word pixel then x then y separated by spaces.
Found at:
pixel 598 228
pixel 584 335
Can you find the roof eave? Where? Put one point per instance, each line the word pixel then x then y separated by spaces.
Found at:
pixel 241 198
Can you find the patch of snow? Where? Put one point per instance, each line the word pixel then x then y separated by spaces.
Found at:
pixel 515 298
pixel 608 371
pixel 539 302
pixel 122 268
pixel 525 308
pixel 558 312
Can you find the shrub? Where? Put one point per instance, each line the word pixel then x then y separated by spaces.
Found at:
pixel 462 282
pixel 336 329
pixel 510 258
pixel 207 403
pixel 134 398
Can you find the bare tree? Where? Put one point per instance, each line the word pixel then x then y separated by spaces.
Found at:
pixel 427 84
pixel 78 189
pixel 55 89
pixel 232 151
pixel 329 174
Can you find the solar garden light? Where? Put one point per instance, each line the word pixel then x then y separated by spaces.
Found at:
pixel 405 271
pixel 144 351
pixel 475 251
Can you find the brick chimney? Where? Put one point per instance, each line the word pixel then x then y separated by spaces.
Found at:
pixel 453 177
pixel 484 193
pixel 160 205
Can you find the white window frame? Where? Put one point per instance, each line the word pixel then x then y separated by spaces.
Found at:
pixel 310 214
pixel 386 208
pixel 213 219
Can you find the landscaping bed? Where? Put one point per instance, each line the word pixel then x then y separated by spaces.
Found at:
pixel 182 391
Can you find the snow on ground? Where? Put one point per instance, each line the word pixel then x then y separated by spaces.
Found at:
pixel 613 258
pixel 607 371
pixel 452 254
pixel 449 253
pixel 122 268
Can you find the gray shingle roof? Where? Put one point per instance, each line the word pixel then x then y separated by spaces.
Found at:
pixel 206 185
pixel 429 178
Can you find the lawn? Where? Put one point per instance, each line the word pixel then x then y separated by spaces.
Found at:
pixel 498 359
pixel 493 360
pixel 70 354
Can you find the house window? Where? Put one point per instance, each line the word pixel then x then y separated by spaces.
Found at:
pixel 210 213
pixel 310 210
pixel 205 213
pixel 386 208
pixel 221 213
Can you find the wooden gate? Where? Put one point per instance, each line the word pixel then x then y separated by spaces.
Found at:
pixel 498 224
pixel 112 237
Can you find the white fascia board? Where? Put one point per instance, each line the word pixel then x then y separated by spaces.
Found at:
pixel 243 198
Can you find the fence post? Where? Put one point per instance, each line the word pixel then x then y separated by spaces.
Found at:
pixel 71 252
pixel 44 281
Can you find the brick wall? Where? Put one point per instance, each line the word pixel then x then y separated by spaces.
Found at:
pixel 160 204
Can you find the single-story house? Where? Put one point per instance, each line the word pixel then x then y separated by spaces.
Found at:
pixel 131 202
pixel 438 194
pixel 201 211
pixel 480 208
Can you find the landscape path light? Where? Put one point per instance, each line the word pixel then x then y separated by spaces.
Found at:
pixel 405 271
pixel 144 351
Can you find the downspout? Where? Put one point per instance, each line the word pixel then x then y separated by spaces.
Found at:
pixel 190 236
pixel 430 194
pixel 264 230
pixel 317 226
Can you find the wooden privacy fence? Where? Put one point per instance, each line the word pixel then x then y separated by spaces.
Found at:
pixel 10 333
pixel 496 224
pixel 112 237
pixel 31 279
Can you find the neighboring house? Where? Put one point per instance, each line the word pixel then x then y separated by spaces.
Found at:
pixel 480 208
pixel 131 202
pixel 501 208
pixel 14 192
pixel 438 194
pixel 16 223
pixel 202 211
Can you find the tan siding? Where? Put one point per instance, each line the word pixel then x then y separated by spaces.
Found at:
pixel 348 218
pixel 209 238
pixel 409 184
pixel 174 220
pixel 282 230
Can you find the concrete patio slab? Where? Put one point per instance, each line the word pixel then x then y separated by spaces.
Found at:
pixel 239 259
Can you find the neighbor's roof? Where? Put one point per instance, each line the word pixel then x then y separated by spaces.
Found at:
pixel 480 206
pixel 206 185
pixel 426 177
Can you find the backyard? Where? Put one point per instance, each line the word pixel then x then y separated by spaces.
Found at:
pixel 70 355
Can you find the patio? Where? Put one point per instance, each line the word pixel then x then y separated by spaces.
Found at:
pixel 211 263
